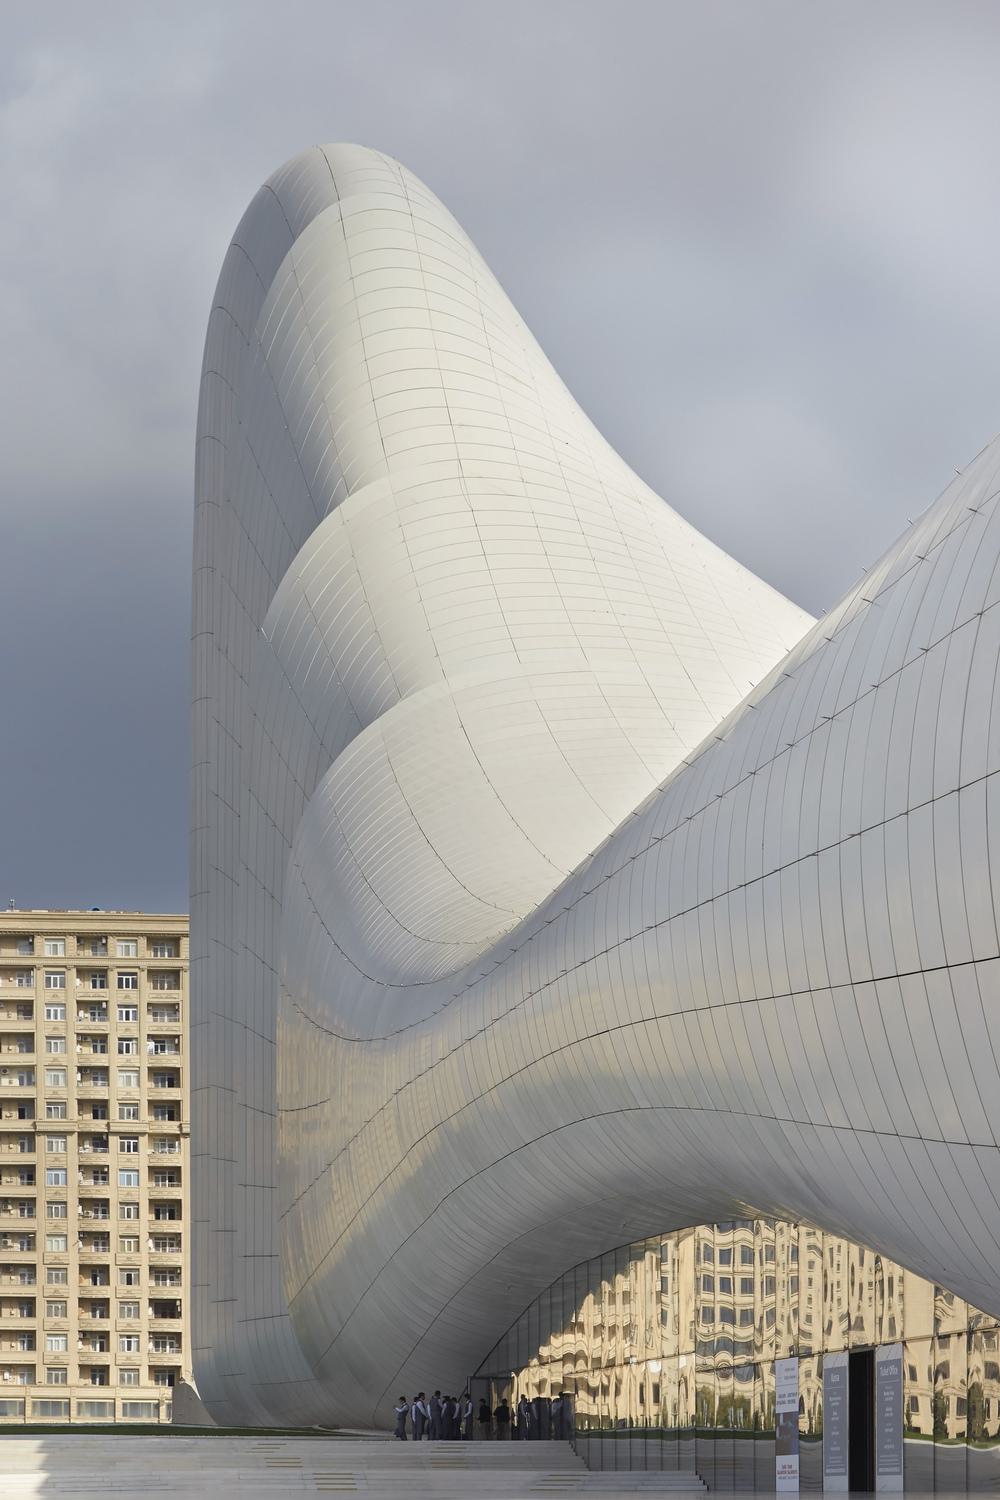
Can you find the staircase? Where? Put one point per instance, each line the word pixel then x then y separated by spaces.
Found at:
pixel 282 1468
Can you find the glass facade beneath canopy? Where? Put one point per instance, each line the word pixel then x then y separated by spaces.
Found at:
pixel 667 1350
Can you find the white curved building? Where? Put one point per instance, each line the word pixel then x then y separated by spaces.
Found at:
pixel 555 881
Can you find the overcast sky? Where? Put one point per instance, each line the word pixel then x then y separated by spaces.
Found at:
pixel 758 240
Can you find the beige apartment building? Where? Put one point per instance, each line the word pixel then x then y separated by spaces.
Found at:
pixel 94 1154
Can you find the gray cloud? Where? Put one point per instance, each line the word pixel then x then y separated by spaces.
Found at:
pixel 797 348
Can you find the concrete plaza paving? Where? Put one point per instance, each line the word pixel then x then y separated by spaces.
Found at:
pixel 281 1468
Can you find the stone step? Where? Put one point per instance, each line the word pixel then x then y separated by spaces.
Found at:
pixel 229 1468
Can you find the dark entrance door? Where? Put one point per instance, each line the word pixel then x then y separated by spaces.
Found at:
pixel 861 1424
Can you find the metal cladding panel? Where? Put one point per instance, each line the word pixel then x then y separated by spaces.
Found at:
pixel 555 881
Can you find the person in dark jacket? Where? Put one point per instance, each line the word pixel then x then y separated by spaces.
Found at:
pixel 501 1417
pixel 402 1412
pixel 524 1431
pixel 419 1416
pixel 467 1411
pixel 485 1420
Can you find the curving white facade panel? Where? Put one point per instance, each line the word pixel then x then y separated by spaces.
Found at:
pixel 534 907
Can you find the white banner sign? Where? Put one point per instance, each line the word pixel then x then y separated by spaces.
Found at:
pixel 786 1425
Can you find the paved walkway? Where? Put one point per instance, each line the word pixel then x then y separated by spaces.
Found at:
pixel 229 1468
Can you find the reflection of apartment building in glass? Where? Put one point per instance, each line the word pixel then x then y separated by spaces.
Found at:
pixel 693 1384
pixel 555 882
pixel 93 1165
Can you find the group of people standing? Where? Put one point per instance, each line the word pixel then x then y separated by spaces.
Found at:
pixel 448 1417
pixel 451 1417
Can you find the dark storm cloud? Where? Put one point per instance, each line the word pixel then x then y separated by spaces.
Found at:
pixel 756 239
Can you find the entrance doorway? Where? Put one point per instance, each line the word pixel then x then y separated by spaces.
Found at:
pixel 861 1420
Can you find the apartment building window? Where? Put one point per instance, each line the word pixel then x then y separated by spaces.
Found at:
pixel 54 1045
pixel 128 981
pixel 55 1143
pixel 57 1343
pixel 128 1377
pixel 99 1374
pixel 128 1343
pixel 128 1310
pixel 56 1309
pixel 166 1179
pixel 56 1276
pixel 55 1177
pixel 163 948
pixel 163 1377
pixel 55 1012
pixel 165 1211
pixel 166 1145
pixel 99 979
pixel 55 1111
pixel 128 1111
pixel 166 1278
pixel 128 1210
pixel 25 946
pixel 128 1244
pixel 129 1144
pixel 56 1375
pixel 55 947
pixel 166 979
pixel 25 1080
pixel 128 1178
pixel 127 948
pixel 128 1013
pixel 55 979
pixel 164 1046
pixel 25 979
pixel 129 1276
pixel 55 1210
pixel 164 1112
pixel 98 1177
pixel 165 1244
pixel 148 1411
pixel 164 1343
pixel 128 1046
pixel 55 1078
pixel 128 1078
pixel 98 947
pixel 165 1081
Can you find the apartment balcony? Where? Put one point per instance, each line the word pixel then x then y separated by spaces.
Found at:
pixel 17 1145
pixel 156 1024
